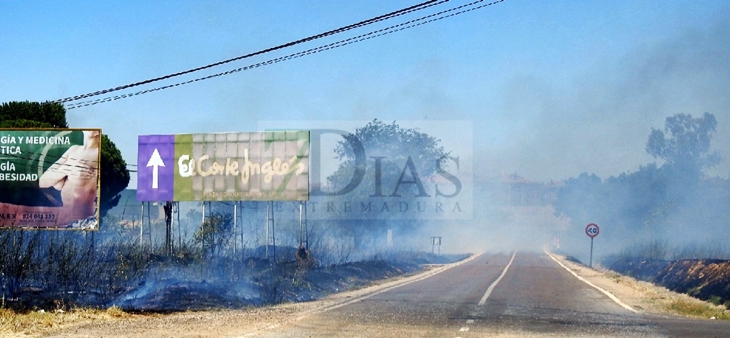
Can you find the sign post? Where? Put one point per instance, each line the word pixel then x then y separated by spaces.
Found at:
pixel 592 231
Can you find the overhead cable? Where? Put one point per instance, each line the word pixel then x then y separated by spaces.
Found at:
pixel 383 17
pixel 377 33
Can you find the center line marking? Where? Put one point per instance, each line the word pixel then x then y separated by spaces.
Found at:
pixel 491 287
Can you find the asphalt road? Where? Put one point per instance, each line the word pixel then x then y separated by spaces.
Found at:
pixel 518 294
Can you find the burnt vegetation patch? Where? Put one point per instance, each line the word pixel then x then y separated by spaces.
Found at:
pixel 55 271
pixel 257 282
pixel 706 279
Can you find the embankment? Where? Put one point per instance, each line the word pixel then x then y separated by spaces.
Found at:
pixel 706 279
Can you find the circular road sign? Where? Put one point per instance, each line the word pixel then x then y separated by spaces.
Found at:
pixel 592 230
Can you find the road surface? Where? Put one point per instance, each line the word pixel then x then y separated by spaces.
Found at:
pixel 518 294
pixel 521 294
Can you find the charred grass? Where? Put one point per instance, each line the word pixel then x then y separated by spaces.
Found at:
pixel 681 270
pixel 62 272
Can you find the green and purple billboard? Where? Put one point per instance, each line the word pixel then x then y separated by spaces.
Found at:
pixel 243 166
pixel 49 178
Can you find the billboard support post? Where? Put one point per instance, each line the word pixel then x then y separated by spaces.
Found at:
pixel 149 223
pixel 179 225
pixel 270 233
pixel 235 221
pixel 242 242
pixel 303 229
pixel 168 227
pixel 141 225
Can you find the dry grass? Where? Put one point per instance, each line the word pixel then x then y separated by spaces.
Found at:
pixel 696 309
pixel 660 298
pixel 14 324
pixel 647 297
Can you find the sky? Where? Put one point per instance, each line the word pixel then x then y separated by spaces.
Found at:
pixel 551 89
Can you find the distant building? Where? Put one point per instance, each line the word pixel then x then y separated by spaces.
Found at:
pixel 516 191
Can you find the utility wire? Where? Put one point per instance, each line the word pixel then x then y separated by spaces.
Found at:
pixel 373 34
pixel 383 17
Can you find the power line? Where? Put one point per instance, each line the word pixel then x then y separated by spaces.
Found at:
pixel 373 34
pixel 383 17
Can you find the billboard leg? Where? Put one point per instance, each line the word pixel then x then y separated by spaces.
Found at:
pixel 168 228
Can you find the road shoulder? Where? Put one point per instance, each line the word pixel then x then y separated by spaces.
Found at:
pixel 642 296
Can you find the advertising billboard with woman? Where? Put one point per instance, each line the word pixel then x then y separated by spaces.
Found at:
pixel 49 178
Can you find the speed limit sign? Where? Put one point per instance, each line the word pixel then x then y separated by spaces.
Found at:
pixel 592 230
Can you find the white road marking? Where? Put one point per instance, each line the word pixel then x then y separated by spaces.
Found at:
pixel 466 328
pixel 610 295
pixel 491 287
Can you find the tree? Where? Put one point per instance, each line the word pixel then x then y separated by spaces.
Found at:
pixel 685 143
pixel 397 156
pixel 32 115
pixel 114 174
pixel 654 197
pixel 215 233
pixel 381 164
pixel 579 198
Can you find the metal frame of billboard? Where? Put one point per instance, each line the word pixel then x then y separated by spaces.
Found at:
pixel 238 166
pixel 49 178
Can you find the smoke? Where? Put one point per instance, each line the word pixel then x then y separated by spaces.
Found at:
pixel 597 117
pixel 598 121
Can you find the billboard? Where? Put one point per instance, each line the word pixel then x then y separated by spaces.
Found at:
pixel 243 166
pixel 49 178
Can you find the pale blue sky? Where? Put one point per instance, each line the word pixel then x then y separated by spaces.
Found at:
pixel 552 88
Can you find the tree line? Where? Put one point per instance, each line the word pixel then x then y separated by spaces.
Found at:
pixel 671 201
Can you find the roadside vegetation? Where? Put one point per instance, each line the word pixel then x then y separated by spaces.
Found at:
pixel 699 310
pixel 64 270
pixel 700 271
pixel 34 322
